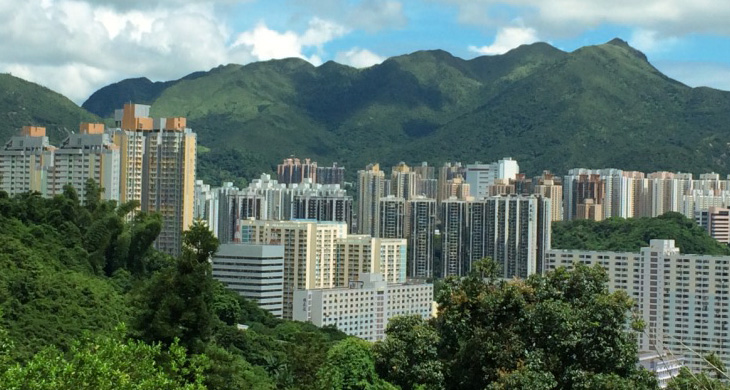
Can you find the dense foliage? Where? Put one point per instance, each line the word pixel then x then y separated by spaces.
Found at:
pixel 630 235
pixel 599 106
pixel 562 330
pixel 74 274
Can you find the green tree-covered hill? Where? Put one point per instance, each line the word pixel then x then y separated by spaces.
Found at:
pixel 23 103
pixel 598 106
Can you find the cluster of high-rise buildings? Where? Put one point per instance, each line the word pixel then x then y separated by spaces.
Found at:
pixel 143 159
pixel 306 249
pixel 357 268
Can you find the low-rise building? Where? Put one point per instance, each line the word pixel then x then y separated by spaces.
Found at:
pixel 365 307
pixel 255 272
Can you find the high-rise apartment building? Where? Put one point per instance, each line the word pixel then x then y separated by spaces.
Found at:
pixel 404 181
pixel 25 162
pixel 422 226
pixel 514 231
pixel 716 221
pixel 158 169
pixel 332 207
pixel 668 190
pixel 371 183
pixel 550 187
pixel 448 172
pixel 579 185
pixel 481 176
pixel 169 179
pixel 360 253
pixel 454 237
pixel 293 170
pixel 90 154
pixel 589 209
pixel 392 218
pixel 331 175
pixel 683 299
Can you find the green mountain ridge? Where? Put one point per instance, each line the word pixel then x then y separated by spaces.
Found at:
pixel 23 103
pixel 598 106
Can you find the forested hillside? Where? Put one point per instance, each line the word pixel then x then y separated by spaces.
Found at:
pixel 598 106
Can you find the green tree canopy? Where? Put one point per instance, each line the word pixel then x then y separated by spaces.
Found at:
pixel 562 330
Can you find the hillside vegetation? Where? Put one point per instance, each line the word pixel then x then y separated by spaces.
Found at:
pixel 23 103
pixel 599 106
pixel 630 235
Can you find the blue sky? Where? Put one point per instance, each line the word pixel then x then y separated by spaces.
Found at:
pixel 78 46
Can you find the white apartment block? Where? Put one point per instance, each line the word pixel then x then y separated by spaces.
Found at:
pixel 684 299
pixel 88 155
pixel 25 162
pixel 664 366
pixel 481 176
pixel 513 230
pixel 365 307
pixel 255 272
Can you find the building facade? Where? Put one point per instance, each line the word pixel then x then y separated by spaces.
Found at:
pixel 90 154
pixel 371 187
pixel 364 308
pixel 422 226
pixel 26 161
pixel 514 231
pixel 683 299
pixel 255 272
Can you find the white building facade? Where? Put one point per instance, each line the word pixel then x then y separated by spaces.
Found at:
pixel 365 307
pixel 683 299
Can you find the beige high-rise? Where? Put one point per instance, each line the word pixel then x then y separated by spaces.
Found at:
pixel 158 169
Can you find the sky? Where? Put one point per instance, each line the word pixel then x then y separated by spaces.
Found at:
pixel 78 46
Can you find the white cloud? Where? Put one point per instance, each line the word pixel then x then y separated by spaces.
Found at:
pixel 369 15
pixel 375 15
pixel 650 42
pixel 266 44
pixel 697 74
pixel 507 39
pixel 358 58
pixel 666 17
pixel 75 47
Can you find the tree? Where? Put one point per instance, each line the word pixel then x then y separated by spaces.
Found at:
pixel 408 357
pixel 178 303
pixel 714 378
pixel 562 330
pixel 350 366
pixel 107 363
pixel 200 241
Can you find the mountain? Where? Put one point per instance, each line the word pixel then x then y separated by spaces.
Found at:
pixel 23 103
pixel 138 90
pixel 598 106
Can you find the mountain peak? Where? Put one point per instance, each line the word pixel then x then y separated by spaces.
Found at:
pixel 625 45
pixel 618 42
